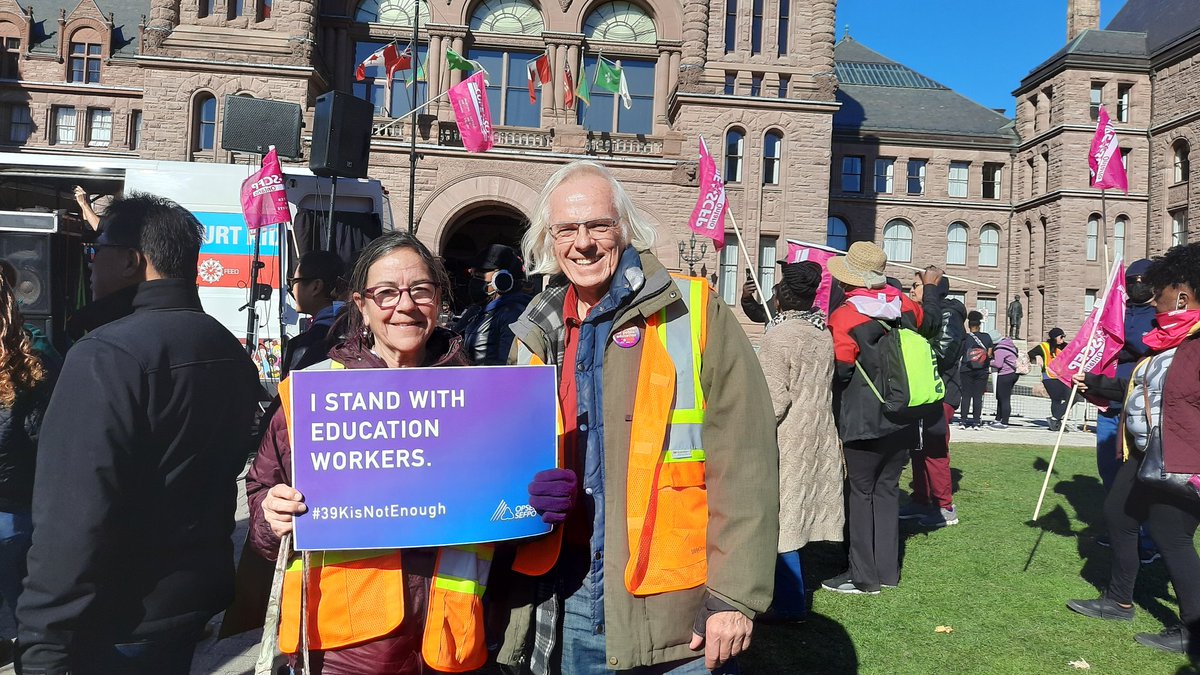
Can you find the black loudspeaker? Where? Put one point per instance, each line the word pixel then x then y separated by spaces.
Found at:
pixel 341 140
pixel 50 278
pixel 255 124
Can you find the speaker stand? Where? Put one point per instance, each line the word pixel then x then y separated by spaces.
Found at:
pixel 252 305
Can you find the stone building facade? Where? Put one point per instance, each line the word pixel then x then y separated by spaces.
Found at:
pixel 820 142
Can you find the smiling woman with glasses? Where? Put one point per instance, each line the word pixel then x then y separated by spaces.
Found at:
pixel 391 321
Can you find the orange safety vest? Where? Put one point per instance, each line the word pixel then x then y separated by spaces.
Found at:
pixel 358 596
pixel 667 499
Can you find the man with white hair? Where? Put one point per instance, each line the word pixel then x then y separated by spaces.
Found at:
pixel 666 500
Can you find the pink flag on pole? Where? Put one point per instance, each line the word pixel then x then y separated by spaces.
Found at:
pixel 1095 347
pixel 264 196
pixel 708 218
pixel 470 104
pixel 1104 158
pixel 799 253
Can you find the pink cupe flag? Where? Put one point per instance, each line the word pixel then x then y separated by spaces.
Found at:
pixel 469 101
pixel 264 195
pixel 1095 347
pixel 799 253
pixel 708 218
pixel 1104 158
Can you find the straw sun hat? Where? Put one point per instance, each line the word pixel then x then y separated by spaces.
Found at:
pixel 862 266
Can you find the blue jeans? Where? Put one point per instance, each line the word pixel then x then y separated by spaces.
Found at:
pixel 583 650
pixel 789 601
pixel 1107 440
pixel 16 532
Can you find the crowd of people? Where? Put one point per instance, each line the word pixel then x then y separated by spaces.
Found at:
pixel 692 468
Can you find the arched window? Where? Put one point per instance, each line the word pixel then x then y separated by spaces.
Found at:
pixel 620 22
pixel 989 246
pixel 956 244
pixel 1182 166
pixel 85 56
pixel 735 141
pixel 391 12
pixel 772 157
pixel 510 17
pixel 837 234
pixel 205 124
pixel 897 241
pixel 1119 227
pixel 1093 236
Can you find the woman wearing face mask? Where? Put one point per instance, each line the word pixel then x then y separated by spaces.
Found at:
pixel 1163 388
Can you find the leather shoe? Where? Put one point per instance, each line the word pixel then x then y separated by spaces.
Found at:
pixel 1101 608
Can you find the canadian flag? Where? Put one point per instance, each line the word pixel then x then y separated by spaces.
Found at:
pixel 538 69
pixel 389 57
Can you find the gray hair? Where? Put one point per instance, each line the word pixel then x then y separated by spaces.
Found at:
pixel 537 246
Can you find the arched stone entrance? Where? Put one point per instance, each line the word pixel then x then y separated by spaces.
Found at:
pixel 471 232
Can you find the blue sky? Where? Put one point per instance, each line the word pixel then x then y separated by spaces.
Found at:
pixel 979 49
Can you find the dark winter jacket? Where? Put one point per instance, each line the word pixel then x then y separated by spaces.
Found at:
pixel 1139 320
pixel 948 347
pixel 136 481
pixel 399 651
pixel 20 426
pixel 856 332
pixel 313 345
pixel 487 333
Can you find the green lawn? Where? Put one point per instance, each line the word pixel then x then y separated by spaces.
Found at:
pixel 998 581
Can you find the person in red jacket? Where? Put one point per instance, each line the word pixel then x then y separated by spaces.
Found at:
pixel 876 447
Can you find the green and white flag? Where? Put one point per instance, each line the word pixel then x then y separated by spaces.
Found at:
pixel 584 91
pixel 456 62
pixel 612 78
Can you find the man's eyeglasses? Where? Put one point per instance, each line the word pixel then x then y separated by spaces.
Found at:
pixel 292 281
pixel 387 297
pixel 596 229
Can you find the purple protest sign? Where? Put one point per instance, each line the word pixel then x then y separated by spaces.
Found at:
pixel 396 458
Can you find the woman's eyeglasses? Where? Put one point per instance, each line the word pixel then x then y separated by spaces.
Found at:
pixel 387 297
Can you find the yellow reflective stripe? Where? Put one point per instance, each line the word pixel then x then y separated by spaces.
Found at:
pixel 484 551
pixel 334 365
pixel 678 456
pixel 322 558
pixel 459 585
pixel 697 294
pixel 687 416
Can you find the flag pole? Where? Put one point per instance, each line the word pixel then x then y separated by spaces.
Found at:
pixel 1104 228
pixel 412 145
pixel 750 266
pixel 907 267
pixel 1070 401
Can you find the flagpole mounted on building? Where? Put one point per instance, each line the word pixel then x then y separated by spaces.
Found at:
pixel 412 145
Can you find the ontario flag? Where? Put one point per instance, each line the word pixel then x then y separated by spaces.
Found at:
pixel 1104 158
pixel 1095 347
pixel 568 88
pixel 537 69
pixel 708 218
pixel 389 57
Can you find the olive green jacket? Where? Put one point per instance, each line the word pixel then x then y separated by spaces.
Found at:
pixel 741 473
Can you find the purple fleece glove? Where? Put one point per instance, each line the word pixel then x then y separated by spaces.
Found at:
pixel 552 494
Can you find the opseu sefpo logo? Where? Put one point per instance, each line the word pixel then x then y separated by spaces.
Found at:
pixel 506 512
